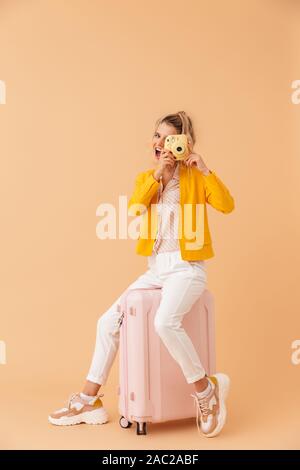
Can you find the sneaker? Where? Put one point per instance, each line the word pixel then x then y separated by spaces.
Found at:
pixel 80 411
pixel 211 410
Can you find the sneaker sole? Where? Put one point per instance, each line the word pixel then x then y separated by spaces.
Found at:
pixel 224 384
pixel 98 416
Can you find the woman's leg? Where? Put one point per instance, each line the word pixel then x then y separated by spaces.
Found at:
pixel 86 407
pixel 91 388
pixel 181 289
pixel 108 336
pixel 106 346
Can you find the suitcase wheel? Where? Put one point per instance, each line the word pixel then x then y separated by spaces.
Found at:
pixel 141 428
pixel 124 423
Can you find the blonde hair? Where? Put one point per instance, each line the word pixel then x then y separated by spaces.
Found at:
pixel 182 123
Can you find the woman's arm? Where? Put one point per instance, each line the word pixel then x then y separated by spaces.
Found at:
pixel 217 194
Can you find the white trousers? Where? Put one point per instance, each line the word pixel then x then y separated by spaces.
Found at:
pixel 182 283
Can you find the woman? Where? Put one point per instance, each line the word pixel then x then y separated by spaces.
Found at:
pixel 176 264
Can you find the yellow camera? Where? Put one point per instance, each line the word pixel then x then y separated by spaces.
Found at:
pixel 178 145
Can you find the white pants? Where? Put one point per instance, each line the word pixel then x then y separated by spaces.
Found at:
pixel 182 283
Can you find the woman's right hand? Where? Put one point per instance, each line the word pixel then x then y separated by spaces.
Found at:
pixel 166 161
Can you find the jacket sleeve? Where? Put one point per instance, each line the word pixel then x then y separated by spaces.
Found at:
pixel 216 193
pixel 145 188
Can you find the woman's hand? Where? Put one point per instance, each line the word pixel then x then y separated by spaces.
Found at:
pixel 166 161
pixel 196 160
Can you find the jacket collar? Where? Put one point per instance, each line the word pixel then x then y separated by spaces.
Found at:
pixel 181 170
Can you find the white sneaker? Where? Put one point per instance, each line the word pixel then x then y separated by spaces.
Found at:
pixel 80 411
pixel 211 410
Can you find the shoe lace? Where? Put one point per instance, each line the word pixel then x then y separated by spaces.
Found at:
pixel 202 409
pixel 71 398
pixel 77 395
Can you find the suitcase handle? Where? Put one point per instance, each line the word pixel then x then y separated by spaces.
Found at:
pixel 132 311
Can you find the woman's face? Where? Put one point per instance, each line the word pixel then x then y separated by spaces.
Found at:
pixel 158 140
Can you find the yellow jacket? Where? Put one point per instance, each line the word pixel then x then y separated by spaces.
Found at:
pixel 196 190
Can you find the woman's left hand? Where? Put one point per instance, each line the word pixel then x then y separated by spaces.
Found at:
pixel 196 160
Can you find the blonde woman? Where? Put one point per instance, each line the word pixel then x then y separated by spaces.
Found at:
pixel 175 265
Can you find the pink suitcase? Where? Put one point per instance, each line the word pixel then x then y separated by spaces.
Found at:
pixel 152 387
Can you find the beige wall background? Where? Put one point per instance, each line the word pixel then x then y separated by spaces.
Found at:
pixel 85 83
